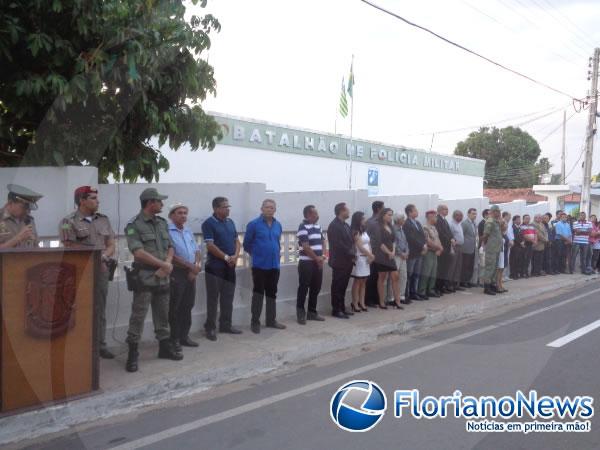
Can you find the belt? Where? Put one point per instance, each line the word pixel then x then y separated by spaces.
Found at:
pixel 140 266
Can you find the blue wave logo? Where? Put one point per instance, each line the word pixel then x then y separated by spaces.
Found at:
pixel 358 406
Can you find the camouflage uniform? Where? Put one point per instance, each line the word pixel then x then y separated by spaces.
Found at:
pixel 493 246
pixel 152 235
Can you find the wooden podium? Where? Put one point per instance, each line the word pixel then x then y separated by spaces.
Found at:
pixel 48 351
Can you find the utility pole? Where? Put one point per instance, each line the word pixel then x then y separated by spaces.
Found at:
pixel 590 134
pixel 563 172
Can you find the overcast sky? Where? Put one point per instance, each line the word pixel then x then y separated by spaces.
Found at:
pixel 282 61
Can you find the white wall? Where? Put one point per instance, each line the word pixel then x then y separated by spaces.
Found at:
pixel 121 202
pixel 286 172
pixel 56 183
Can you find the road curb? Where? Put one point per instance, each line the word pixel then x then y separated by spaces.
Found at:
pixel 104 405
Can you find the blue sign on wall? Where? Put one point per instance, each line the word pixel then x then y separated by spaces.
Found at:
pixel 373 181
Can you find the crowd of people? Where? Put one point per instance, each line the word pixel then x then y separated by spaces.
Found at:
pixel 392 259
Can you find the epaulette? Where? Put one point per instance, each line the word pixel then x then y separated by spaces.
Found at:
pixel 132 220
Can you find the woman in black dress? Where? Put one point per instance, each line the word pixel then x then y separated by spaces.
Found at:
pixel 383 249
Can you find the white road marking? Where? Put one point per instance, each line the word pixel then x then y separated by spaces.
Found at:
pixel 574 335
pixel 349 375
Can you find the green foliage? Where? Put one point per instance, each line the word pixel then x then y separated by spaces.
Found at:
pixel 103 83
pixel 510 154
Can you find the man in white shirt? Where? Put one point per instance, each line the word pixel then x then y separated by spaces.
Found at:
pixel 454 275
pixel 506 216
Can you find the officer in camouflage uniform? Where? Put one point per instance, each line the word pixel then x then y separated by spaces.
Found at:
pixel 149 242
pixel 492 239
pixel 86 227
pixel 17 227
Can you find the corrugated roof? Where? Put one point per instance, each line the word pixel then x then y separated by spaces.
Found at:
pixel 509 195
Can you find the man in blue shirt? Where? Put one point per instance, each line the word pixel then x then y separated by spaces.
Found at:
pixel 186 267
pixel 262 243
pixel 563 240
pixel 223 248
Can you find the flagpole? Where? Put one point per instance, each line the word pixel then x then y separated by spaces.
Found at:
pixel 351 125
pixel 335 122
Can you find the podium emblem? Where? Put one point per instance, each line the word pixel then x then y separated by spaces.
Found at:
pixel 50 299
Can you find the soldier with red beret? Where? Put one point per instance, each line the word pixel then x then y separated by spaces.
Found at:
pixel 86 227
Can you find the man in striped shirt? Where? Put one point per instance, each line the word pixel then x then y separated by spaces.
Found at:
pixel 581 244
pixel 311 248
pixel 528 235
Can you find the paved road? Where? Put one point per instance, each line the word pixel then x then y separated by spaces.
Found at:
pixel 492 356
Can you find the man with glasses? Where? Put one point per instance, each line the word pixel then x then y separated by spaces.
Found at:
pixel 149 242
pixel 17 227
pixel 223 247
pixel 86 227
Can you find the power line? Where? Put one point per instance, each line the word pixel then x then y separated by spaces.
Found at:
pixel 485 58
pixel 545 11
pixel 556 129
pixel 576 162
pixel 546 112
pixel 512 30
pixel 583 34
pixel 534 24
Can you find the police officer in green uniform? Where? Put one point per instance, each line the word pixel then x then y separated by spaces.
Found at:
pixel 17 227
pixel 86 227
pixel 492 239
pixel 149 242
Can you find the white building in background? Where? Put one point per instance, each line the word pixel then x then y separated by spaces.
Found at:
pixel 290 159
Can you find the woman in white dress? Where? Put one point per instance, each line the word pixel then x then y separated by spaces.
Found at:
pixel 364 257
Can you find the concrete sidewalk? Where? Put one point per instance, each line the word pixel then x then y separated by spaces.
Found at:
pixel 236 357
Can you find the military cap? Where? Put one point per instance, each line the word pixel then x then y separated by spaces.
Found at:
pixel 24 195
pixel 176 206
pixel 494 208
pixel 152 194
pixel 84 190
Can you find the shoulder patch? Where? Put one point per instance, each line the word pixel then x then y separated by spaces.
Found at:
pixel 65 226
pixel 130 231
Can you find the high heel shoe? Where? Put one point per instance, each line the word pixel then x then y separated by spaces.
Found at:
pixel 382 307
pixel 364 309
pixel 355 309
pixel 397 306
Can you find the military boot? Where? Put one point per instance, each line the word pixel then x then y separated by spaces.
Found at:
pixel 132 358
pixel 176 345
pixel 301 316
pixel 166 350
pixel 487 289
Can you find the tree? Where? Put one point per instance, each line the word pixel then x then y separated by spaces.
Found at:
pixel 510 155
pixel 103 83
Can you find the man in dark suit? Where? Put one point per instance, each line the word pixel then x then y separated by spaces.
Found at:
pixel 445 259
pixel 341 259
pixel 417 246
pixel 371 295
pixel 469 248
pixel 484 214
pixel 516 251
